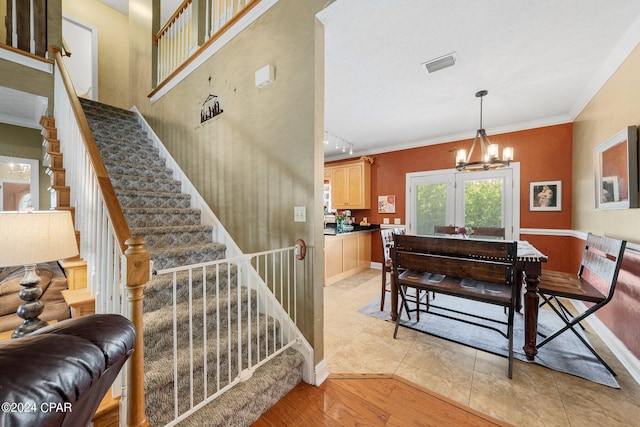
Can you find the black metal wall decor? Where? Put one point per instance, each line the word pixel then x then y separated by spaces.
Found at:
pixel 210 108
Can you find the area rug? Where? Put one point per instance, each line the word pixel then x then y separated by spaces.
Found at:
pixel 564 354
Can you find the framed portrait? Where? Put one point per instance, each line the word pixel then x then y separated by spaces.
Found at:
pixel 386 204
pixel 545 196
pixel 615 165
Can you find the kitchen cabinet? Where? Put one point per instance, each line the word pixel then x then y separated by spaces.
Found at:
pixel 351 185
pixel 345 255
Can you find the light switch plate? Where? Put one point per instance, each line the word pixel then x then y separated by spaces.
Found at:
pixel 300 214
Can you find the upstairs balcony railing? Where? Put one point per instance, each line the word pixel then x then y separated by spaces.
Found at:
pixel 193 26
pixel 26 26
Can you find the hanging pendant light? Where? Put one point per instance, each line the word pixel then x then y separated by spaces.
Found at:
pixel 489 152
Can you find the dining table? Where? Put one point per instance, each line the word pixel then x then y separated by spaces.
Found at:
pixel 528 269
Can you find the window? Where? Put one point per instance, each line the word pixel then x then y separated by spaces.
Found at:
pixel 473 199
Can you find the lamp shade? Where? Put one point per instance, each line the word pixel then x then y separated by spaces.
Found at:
pixel 33 237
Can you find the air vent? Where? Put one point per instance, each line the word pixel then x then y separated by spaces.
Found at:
pixel 445 61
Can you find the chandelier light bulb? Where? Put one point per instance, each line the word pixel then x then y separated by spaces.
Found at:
pixel 507 154
pixel 492 151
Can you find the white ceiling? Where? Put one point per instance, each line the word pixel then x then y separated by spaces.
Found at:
pixel 541 62
pixel 21 108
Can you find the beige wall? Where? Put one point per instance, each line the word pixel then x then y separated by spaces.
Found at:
pixel 113 48
pixel 614 107
pixel 263 155
pixel 3 27
pixel 17 141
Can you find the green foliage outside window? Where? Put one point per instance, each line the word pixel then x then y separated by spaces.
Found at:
pixel 483 203
pixel 431 207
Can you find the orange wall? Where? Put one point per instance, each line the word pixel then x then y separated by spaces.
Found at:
pixel 544 154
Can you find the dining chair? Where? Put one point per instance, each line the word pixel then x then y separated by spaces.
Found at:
pixel 443 230
pixel 489 232
pixel 595 283
pixel 386 235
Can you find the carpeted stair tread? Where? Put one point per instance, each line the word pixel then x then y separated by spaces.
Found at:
pixel 129 165
pixel 118 169
pixel 159 375
pixel 164 258
pixel 158 237
pixel 145 183
pixel 99 128
pixel 155 216
pixel 105 126
pixel 134 144
pixel 125 157
pixel 91 105
pixel 132 198
pixel 171 229
pixel 159 290
pixel 227 340
pixel 162 319
pixel 243 404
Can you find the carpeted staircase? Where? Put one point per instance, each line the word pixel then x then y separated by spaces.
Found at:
pixel 156 209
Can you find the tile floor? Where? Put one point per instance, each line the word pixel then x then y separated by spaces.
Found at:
pixel 536 396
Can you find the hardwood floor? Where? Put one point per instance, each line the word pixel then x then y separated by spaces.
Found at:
pixel 370 400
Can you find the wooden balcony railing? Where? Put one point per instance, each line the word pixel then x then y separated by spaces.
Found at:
pixel 26 24
pixel 177 41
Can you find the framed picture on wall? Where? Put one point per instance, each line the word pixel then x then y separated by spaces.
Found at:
pixel 615 165
pixel 545 196
pixel 386 204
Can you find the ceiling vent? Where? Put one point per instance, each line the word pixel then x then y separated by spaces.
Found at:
pixel 445 61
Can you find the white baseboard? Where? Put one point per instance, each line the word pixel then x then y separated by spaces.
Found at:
pixel 617 347
pixel 322 372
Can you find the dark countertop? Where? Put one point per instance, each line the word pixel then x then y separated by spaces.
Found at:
pixel 330 229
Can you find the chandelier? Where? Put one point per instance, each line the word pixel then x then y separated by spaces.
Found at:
pixel 489 158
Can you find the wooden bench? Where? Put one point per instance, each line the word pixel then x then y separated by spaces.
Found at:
pixel 479 270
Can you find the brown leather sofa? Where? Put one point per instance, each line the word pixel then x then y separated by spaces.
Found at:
pixel 58 375
pixel 53 282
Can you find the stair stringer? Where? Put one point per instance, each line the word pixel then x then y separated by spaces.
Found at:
pixel 221 235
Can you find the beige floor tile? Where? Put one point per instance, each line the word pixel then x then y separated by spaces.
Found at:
pixel 511 399
pixel 590 404
pixel 536 396
pixel 370 352
pixel 440 366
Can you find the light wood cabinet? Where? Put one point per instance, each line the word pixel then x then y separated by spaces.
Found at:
pixel 364 249
pixel 351 185
pixel 332 256
pixel 345 255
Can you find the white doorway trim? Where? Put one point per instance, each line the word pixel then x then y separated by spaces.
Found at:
pixel 34 177
pixel 89 55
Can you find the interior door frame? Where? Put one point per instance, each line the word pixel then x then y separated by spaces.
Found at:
pixel 34 178
pixel 450 176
